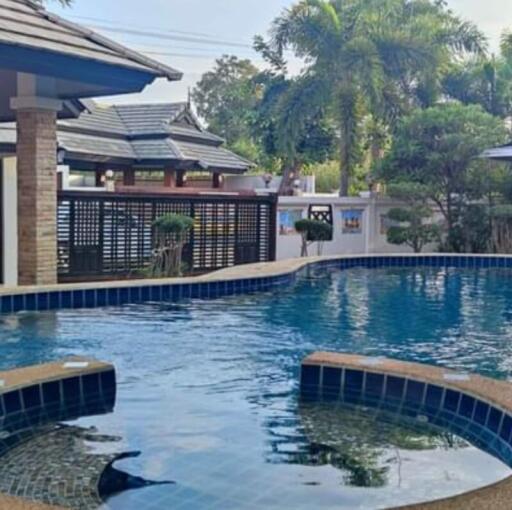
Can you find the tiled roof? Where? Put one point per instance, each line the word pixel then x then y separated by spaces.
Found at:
pixel 26 24
pixel 141 134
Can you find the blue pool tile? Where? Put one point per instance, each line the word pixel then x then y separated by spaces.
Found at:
pixel 101 297
pixel 12 402
pixel 6 304
pixel 433 396
pixel 123 296
pixel 395 387
pixel 135 294
pixel 353 385
pixel 90 298
pixel 145 293
pixel 31 397
pixel 176 292
pixel 167 292
pixel 451 400
pixel 156 293
pixel 65 299
pixel 481 411
pixel 71 390
pixel 51 392
pixel 91 387
pixel 18 302
pixel 494 419
pixel 506 427
pixel 467 405
pixel 414 392
pixel 113 297
pixel 108 381
pixel 374 385
pixel 30 302
pixel 54 300
pixel 331 381
pixel 309 378
pixel 185 291
pixel 43 301
pixel 78 299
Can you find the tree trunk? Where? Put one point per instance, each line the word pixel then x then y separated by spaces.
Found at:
pixel 291 172
pixel 348 132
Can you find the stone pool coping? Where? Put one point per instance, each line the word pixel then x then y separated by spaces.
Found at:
pixel 235 280
pixel 12 503
pixel 497 496
pixel 19 378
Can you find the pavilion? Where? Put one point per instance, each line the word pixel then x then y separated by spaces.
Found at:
pixel 46 65
pixel 134 139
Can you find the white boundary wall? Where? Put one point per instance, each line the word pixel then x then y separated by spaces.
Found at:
pixel 369 238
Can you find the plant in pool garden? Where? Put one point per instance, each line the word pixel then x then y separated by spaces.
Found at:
pixel 312 231
pixel 411 225
pixel 501 228
pixel 439 148
pixel 170 236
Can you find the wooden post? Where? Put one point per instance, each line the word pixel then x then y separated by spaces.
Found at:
pixel 98 174
pixel 181 178
pixel 129 177
pixel 217 180
pixel 169 178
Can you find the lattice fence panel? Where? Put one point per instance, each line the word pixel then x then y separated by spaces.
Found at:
pixel 111 235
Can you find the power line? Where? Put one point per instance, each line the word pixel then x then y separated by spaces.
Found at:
pixel 182 38
pixel 145 27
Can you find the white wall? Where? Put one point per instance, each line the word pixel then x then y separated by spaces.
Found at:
pixel 371 239
pixel 10 222
pixel 256 182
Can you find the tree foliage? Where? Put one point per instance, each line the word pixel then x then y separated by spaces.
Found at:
pixel 171 232
pixel 366 57
pixel 313 231
pixel 413 225
pixel 439 148
pixel 226 97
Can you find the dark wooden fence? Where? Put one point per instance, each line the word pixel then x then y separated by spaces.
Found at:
pixel 106 235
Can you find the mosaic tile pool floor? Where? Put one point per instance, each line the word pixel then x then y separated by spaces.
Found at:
pixel 208 390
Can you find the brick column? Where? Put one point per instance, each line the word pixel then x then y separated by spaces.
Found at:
pixel 37 196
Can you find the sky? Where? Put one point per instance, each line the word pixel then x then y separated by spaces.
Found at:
pixel 221 26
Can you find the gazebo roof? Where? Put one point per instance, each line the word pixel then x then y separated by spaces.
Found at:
pixel 83 63
pixel 502 153
pixel 139 135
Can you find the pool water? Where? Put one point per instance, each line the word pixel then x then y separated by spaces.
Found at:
pixel 208 389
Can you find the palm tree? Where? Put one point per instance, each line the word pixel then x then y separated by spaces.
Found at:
pixel 365 57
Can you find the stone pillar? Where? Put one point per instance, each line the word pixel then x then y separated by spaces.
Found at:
pixel 169 178
pixel 36 151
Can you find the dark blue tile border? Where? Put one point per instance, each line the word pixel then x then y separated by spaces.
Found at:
pixel 89 298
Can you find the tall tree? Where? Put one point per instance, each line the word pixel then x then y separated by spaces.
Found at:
pixel 367 56
pixel 439 149
pixel 226 98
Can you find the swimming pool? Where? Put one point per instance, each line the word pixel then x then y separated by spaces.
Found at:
pixel 208 388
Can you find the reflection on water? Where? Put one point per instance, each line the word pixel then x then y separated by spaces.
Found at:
pixel 208 390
